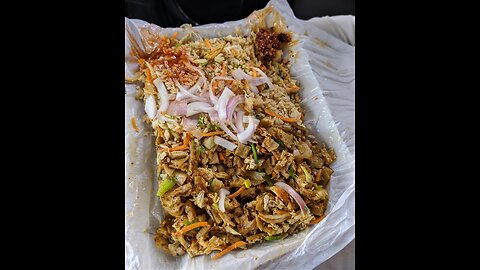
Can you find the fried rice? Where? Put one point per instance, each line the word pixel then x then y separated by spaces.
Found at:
pixel 235 163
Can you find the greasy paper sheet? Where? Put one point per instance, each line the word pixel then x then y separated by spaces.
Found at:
pixel 325 68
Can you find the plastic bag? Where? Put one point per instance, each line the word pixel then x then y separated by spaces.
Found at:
pixel 325 68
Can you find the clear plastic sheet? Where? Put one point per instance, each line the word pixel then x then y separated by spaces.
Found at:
pixel 325 67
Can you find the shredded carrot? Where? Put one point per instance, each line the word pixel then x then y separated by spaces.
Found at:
pixel 141 61
pixel 209 134
pixel 174 36
pixel 319 174
pixel 134 124
pixel 222 156
pixel 149 76
pixel 282 194
pixel 180 147
pixel 228 249
pixel 207 42
pixel 254 73
pixel 285 119
pixel 236 192
pixel 263 150
pixel 191 227
pixel 294 87
pixel 317 220
pixel 224 70
pixel 177 148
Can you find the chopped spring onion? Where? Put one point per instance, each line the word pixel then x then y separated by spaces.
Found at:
pixel 269 180
pixel 254 153
pixel 281 146
pixel 247 183
pixel 165 186
pixel 272 237
pixel 202 149
pixel 308 176
pixel 201 121
pixel 232 231
pixel 290 171
pixel 209 143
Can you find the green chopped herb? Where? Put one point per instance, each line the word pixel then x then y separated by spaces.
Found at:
pixel 202 149
pixel 319 187
pixel 165 186
pixel 213 127
pixel 254 153
pixel 186 222
pixel 259 116
pixel 290 171
pixel 247 183
pixel 308 176
pixel 215 206
pixel 281 146
pixel 269 180
pixel 201 121
pixel 272 237
pixel 177 44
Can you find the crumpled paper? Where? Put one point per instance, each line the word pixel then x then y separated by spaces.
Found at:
pixel 325 68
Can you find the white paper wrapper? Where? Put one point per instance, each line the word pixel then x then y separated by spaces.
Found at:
pixel 325 68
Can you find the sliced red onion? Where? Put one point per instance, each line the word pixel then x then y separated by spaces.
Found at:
pixel 227 130
pixel 177 108
pixel 224 143
pixel 162 95
pixel 214 116
pixel 200 72
pixel 198 107
pixel 239 74
pixel 221 105
pixel 232 104
pixel 232 125
pixel 189 123
pixel 213 98
pixel 292 193
pixel 221 203
pixel 267 80
pixel 239 121
pixel 247 134
pixel 197 85
pixel 172 96
pixel 184 94
pixel 255 120
pixel 253 88
pixel 150 107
